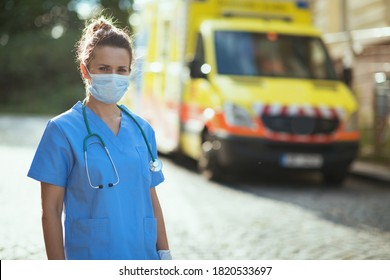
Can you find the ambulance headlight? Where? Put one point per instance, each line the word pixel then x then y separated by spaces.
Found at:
pixel 351 124
pixel 237 116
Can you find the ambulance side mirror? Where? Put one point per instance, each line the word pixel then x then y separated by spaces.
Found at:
pixel 196 70
pixel 347 76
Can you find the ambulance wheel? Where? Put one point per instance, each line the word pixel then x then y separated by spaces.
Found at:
pixel 207 163
pixel 334 177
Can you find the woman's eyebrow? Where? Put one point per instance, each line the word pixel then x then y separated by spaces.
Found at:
pixel 124 68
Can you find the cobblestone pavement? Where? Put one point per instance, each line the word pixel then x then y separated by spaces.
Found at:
pixel 275 220
pixel 267 219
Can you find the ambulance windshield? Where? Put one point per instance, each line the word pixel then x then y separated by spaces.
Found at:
pixel 272 54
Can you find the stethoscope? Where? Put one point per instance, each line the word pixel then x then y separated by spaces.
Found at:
pixel 155 164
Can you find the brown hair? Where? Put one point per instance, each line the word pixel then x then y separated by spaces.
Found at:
pixel 101 32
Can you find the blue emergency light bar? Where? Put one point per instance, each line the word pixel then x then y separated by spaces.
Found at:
pixel 302 4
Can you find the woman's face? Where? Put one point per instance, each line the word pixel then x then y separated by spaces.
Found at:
pixel 110 60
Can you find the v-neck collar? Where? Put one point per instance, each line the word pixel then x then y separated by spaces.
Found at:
pixel 98 126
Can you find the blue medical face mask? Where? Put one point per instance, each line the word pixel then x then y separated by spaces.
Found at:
pixel 108 88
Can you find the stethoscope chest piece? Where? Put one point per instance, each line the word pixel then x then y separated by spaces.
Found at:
pixel 155 165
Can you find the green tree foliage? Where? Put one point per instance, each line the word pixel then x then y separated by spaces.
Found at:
pixel 120 10
pixel 39 73
pixel 21 16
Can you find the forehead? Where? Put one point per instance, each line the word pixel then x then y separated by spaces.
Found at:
pixel 112 56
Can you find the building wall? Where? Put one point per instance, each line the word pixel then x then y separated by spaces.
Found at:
pixel 359 14
pixel 357 33
pixel 367 14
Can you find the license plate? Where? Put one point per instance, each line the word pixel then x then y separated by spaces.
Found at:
pixel 301 160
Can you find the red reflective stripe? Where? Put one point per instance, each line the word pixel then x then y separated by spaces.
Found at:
pixel 301 112
pixel 347 136
pixel 317 112
pixel 266 110
pixel 333 113
pixel 218 124
pixel 190 112
pixel 283 111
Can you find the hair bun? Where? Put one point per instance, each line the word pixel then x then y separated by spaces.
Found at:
pixel 101 24
pixel 101 31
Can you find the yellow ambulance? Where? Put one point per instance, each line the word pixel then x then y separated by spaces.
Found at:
pixel 243 84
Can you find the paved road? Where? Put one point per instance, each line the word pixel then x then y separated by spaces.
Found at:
pixel 20 227
pixel 273 218
pixel 277 219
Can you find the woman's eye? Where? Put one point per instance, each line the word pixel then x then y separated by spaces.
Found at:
pixel 123 71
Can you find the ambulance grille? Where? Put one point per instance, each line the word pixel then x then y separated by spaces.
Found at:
pixel 301 125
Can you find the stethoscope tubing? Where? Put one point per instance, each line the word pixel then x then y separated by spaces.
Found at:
pixel 112 164
pixel 155 164
pixel 140 129
pixel 101 142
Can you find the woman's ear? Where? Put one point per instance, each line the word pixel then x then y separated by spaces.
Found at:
pixel 84 72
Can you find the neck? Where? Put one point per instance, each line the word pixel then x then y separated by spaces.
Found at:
pixel 104 111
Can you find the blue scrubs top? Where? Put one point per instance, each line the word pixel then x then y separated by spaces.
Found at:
pixel 108 223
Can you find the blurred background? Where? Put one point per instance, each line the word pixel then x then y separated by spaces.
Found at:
pixel 39 74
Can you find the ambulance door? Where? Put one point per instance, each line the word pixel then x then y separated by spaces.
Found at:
pixel 165 93
pixel 195 100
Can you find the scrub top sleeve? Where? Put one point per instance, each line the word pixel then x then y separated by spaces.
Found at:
pixel 53 159
pixel 157 177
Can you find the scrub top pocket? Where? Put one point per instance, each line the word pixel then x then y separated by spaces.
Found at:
pixel 90 239
pixel 144 158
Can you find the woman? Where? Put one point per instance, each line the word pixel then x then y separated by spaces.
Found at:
pixel 99 160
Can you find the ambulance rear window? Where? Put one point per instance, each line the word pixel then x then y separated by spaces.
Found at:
pixel 272 54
